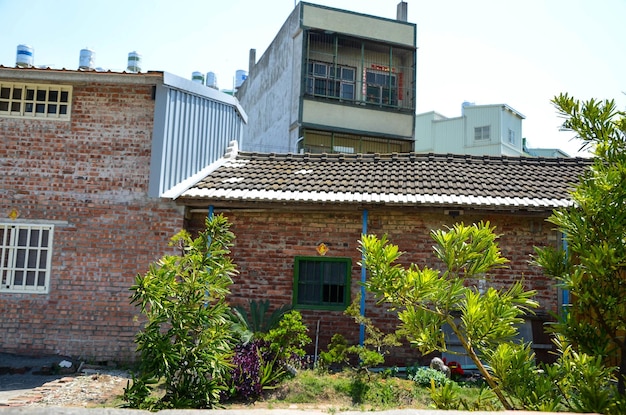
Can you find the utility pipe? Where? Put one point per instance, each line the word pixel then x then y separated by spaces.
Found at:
pixel 363 279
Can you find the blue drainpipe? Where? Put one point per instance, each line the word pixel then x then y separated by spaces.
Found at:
pixel 210 211
pixel 565 293
pixel 363 278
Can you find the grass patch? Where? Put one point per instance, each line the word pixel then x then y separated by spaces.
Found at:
pixel 348 391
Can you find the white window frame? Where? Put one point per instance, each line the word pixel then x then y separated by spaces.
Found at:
pixel 482 133
pixel 511 136
pixel 25 257
pixel 35 101
pixel 378 87
pixel 340 85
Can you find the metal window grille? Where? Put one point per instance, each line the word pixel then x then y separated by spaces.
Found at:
pixel 322 282
pixel 359 71
pixel 328 142
pixel 35 101
pixel 25 257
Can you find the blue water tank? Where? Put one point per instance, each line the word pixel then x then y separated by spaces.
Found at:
pixel 25 56
pixel 87 59
pixel 134 62
pixel 197 77
pixel 240 76
pixel 211 80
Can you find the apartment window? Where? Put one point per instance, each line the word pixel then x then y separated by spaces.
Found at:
pixel 328 80
pixel 511 136
pixel 322 283
pixel 482 133
pixel 25 257
pixel 381 87
pixel 35 100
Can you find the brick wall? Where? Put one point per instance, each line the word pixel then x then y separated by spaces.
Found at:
pixel 268 240
pixel 92 174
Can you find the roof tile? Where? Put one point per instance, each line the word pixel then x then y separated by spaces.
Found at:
pixel 394 179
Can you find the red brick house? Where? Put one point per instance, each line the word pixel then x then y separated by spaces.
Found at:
pixel 285 208
pixel 98 170
pixel 85 158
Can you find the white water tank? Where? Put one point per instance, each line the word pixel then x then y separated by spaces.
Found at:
pixel 240 76
pixel 25 56
pixel 134 62
pixel 211 80
pixel 197 77
pixel 87 59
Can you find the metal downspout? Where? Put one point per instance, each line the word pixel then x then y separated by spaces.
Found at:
pixel 363 279
pixel 565 293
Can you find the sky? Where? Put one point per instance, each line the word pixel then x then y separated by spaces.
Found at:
pixel 516 52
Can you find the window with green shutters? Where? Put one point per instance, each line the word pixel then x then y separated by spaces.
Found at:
pixel 322 283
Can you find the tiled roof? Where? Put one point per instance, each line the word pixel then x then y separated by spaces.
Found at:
pixel 392 179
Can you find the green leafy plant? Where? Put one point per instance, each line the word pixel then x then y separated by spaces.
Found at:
pixel 425 376
pixel 593 268
pixel 186 341
pixel 255 318
pixel 360 357
pixel 288 337
pixel 429 300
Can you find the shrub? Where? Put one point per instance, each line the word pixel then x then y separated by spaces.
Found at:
pixel 186 341
pixel 424 376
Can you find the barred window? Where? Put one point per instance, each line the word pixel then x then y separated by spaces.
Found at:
pixel 322 283
pixel 35 100
pixel 25 257
pixel 328 80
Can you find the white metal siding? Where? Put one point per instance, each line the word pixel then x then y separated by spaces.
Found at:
pixel 191 132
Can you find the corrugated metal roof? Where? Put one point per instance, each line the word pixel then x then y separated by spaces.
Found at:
pixel 392 179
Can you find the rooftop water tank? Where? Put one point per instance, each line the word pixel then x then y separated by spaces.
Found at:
pixel 87 59
pixel 25 56
pixel 211 80
pixel 240 76
pixel 197 77
pixel 134 62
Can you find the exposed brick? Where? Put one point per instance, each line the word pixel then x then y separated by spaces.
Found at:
pixel 91 172
pixel 267 242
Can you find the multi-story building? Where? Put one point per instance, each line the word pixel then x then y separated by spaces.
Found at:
pixel 333 81
pixel 491 130
pixel 87 161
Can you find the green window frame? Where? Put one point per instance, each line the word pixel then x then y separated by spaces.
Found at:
pixel 322 283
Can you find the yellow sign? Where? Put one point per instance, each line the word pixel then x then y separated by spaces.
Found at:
pixel 14 214
pixel 322 249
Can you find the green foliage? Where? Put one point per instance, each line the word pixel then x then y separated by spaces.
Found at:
pixel 360 357
pixel 429 300
pixel 255 318
pixel 594 269
pixel 186 341
pixel 425 376
pixel 288 337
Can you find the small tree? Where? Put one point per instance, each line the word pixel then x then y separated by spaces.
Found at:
pixel 594 267
pixel 186 341
pixel 429 300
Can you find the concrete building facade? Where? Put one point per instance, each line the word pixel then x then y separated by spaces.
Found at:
pixel 491 130
pixel 333 81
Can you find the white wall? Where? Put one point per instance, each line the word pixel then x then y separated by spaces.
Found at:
pixel 438 134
